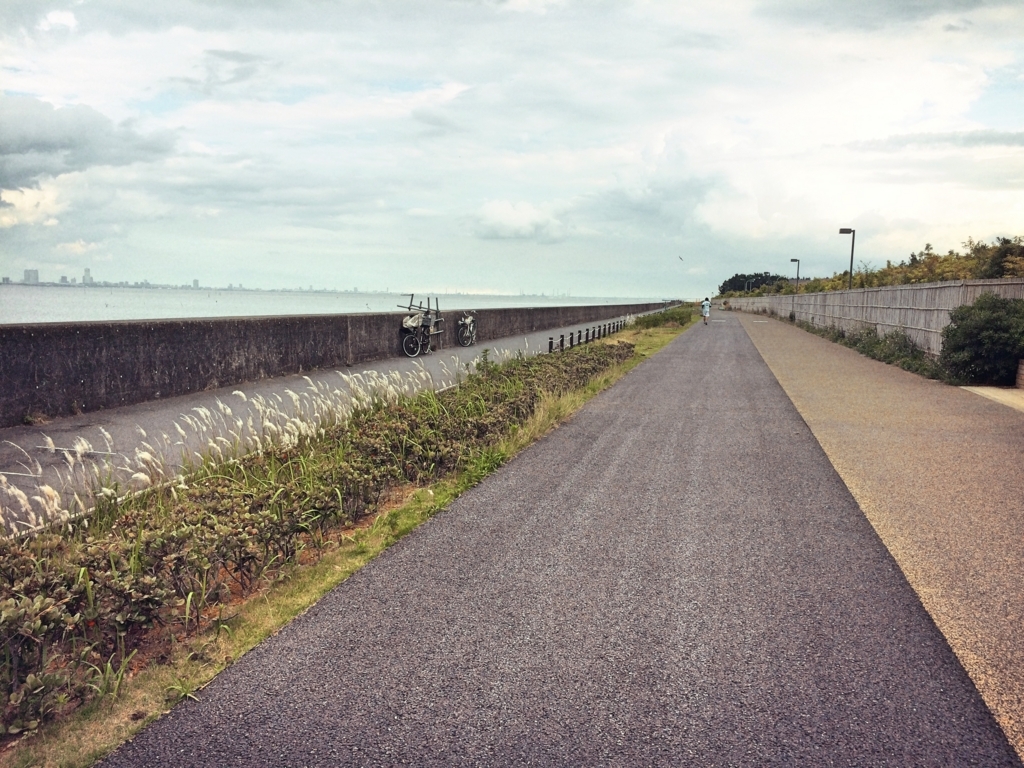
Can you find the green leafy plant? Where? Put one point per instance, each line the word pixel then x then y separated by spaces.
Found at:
pixel 984 341
pixel 895 348
pixel 678 315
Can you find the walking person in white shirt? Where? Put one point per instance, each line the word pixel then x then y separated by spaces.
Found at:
pixel 705 309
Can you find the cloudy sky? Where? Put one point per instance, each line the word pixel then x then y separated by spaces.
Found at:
pixel 503 145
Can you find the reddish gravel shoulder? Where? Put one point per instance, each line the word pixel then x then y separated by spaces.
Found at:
pixel 939 471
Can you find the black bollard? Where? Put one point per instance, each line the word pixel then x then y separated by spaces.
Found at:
pixel 579 337
pixel 561 343
pixel 551 344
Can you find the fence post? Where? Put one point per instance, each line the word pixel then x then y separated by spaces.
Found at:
pixel 551 344
pixel 579 337
pixel 561 343
pixel 587 341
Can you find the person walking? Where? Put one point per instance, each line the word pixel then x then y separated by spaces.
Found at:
pixel 705 309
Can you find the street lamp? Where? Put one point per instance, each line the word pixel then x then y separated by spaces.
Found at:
pixel 792 314
pixel 853 241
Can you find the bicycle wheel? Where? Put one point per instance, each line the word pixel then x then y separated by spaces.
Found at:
pixel 465 335
pixel 411 344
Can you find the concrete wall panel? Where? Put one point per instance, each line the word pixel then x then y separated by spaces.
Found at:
pixel 59 369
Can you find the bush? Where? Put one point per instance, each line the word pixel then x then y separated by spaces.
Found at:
pixel 984 341
pixel 680 315
pixel 894 348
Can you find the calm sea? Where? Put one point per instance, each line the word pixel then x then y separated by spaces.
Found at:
pixel 58 304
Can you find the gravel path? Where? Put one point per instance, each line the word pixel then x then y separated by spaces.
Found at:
pixel 939 472
pixel 677 576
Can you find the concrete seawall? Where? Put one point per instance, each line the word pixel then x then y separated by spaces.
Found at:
pixel 60 369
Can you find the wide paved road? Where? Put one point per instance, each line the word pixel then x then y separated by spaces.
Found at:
pixel 677 576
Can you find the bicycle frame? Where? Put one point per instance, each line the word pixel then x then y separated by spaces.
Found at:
pixel 424 327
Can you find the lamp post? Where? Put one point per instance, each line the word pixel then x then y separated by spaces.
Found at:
pixel 793 313
pixel 853 241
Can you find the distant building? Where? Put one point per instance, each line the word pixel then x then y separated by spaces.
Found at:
pixel 195 283
pixel 6 281
pixel 64 279
pixel 87 277
pixel 31 277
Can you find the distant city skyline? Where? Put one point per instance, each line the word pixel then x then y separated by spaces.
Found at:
pixel 32 277
pixel 503 146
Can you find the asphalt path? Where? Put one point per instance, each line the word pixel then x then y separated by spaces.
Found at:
pixel 676 576
pixel 156 438
pixel 939 473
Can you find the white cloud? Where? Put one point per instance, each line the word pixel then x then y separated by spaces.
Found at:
pixel 31 206
pixel 507 220
pixel 56 19
pixel 78 247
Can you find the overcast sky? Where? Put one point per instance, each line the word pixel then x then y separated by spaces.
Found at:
pixel 486 146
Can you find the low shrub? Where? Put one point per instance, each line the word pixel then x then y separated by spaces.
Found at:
pixel 984 341
pixel 895 348
pixel 680 315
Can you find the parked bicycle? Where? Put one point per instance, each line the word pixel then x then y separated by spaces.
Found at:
pixel 420 329
pixel 466 333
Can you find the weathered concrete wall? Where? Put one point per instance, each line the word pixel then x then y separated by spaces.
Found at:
pixel 59 369
pixel 920 310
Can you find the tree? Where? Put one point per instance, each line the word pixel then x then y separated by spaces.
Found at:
pixel 738 282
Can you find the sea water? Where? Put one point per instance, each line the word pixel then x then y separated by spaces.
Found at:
pixel 61 304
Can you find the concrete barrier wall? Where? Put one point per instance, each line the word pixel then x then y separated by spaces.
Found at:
pixel 920 310
pixel 59 369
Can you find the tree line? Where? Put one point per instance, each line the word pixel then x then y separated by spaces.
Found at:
pixel 979 260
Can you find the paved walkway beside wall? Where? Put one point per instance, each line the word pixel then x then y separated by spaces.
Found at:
pixel 676 576
pixel 939 472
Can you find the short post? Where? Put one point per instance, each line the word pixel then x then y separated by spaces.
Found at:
pixel 561 343
pixel 587 341
pixel 571 337
pixel 551 344
pixel 579 337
